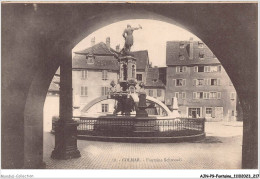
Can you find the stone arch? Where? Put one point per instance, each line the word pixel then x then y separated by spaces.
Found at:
pixel 39 32
pixel 93 102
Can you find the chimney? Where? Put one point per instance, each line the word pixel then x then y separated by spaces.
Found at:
pixel 191 49
pixel 108 42
pixel 118 48
pixel 93 41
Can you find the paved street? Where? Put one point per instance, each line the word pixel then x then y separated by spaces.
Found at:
pixel 221 149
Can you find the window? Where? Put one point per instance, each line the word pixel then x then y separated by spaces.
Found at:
pixel 181 69
pixel 104 91
pixel 201 69
pixel 104 75
pixel 219 95
pixel 198 82
pixel 208 112
pixel 207 81
pixel 180 82
pixel 90 59
pixel 206 68
pixel 200 44
pixel 182 45
pixel 133 71
pixel 212 95
pixel 177 95
pixel 183 95
pixel 139 77
pixel 232 95
pixel 194 112
pixel 84 74
pixel 213 82
pixel 150 92
pixel 84 91
pixel 201 55
pixel 196 69
pixel 159 93
pixel 206 95
pixel 104 107
pixel 219 68
pixel 197 95
pixel 213 68
pixel 181 57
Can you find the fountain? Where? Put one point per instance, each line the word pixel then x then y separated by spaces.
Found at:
pixel 130 121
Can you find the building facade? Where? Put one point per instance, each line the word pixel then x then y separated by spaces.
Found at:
pixel 155 86
pixel 142 65
pixel 199 82
pixel 93 69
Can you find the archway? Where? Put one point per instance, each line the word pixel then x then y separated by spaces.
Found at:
pixel 41 63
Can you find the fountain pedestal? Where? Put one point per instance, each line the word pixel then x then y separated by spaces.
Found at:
pixel 141 112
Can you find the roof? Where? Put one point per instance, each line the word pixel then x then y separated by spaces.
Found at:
pixel 174 53
pixel 98 49
pixel 153 78
pixel 142 59
pixel 105 58
pixel 100 63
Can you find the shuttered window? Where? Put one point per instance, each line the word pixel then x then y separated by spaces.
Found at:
pixel 180 82
pixel 104 91
pixel 174 82
pixel 183 95
pixel 104 75
pixel 104 107
pixel 196 69
pixel 177 95
pixel 219 95
pixel 84 91
pixel 232 95
pixel 219 68
pixel 84 74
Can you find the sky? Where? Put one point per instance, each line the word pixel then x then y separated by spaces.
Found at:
pixel 152 37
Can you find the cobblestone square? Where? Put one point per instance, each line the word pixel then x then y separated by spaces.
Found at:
pixel 221 149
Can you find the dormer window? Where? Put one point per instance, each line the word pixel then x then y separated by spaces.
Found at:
pixel 200 44
pixel 201 55
pixel 181 56
pixel 90 59
pixel 182 45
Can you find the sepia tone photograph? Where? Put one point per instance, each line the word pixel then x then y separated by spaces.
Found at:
pixel 129 85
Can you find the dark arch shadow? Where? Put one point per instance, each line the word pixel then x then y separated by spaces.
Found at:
pixel 212 23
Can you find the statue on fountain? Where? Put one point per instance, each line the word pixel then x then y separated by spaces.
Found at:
pixel 129 39
pixel 128 99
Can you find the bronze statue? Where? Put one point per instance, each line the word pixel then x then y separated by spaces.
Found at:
pixel 129 40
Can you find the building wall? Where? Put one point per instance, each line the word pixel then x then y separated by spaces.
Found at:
pixel 155 93
pixel 225 88
pixel 143 75
pixel 94 83
pixel 50 109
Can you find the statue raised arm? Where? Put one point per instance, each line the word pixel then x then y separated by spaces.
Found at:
pixel 128 36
